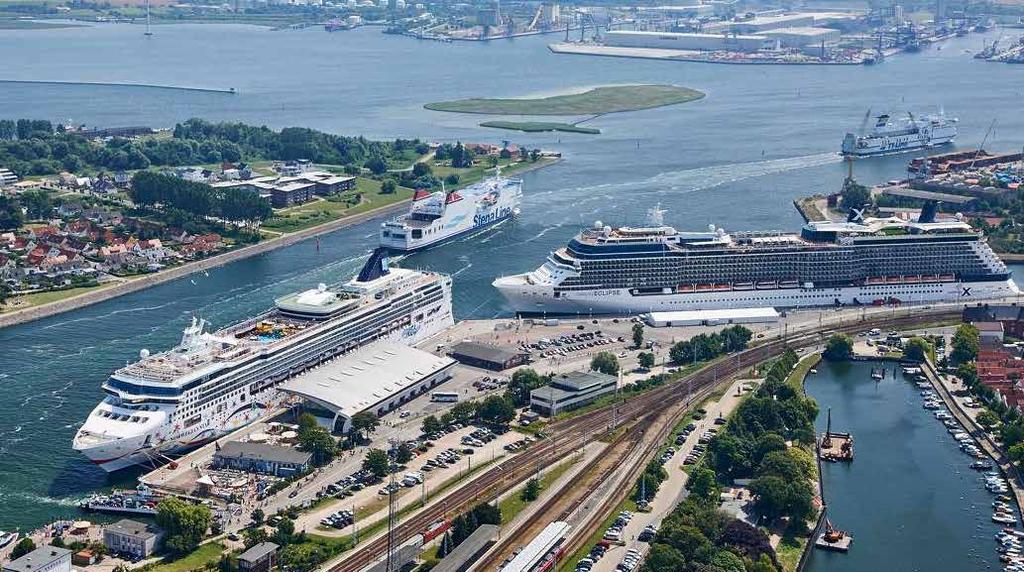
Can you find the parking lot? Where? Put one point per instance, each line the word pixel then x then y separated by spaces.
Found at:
pixel 450 456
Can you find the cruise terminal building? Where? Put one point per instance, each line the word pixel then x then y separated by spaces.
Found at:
pixel 379 377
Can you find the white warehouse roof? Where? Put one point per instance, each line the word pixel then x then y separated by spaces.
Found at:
pixel 682 317
pixel 366 376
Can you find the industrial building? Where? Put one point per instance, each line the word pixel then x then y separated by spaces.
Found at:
pixel 487 356
pixel 687 41
pixel 378 377
pixel 131 538
pixel 759 24
pixel 42 559
pixel 261 458
pixel 803 36
pixel 571 390
pixel 688 11
pixel 711 317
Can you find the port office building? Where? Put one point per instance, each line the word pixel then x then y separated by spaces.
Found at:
pixel 378 377
pixel 711 317
pixel 571 390
pixel 131 538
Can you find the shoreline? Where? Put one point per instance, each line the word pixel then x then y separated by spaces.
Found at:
pixel 103 294
pixel 228 91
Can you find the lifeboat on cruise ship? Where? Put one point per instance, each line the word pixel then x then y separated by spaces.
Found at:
pixel 722 286
pixel 947 278
pixel 913 279
pixel 743 286
pixel 875 280
pixel 767 285
pixel 789 284
pixel 893 279
pixel 929 278
pixel 705 287
pixel 686 287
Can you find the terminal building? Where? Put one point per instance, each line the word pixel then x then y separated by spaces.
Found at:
pixel 711 317
pixel 379 377
pixel 571 390
pixel 263 458
pixel 800 37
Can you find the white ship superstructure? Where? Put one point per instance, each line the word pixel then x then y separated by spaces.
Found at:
pixel 215 382
pixel 439 216
pixel 858 261
pixel 905 133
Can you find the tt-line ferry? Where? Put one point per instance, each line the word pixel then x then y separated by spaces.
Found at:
pixel 898 134
pixel 439 216
pixel 215 382
pixel 857 261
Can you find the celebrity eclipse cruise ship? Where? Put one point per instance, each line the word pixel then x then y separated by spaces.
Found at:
pixel 857 261
pixel 215 382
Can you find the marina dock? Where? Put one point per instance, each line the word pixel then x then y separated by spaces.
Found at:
pixel 833 446
pixel 833 540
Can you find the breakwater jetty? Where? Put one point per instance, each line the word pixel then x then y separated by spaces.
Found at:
pixel 229 90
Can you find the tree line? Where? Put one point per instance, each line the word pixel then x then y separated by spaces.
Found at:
pixel 708 346
pixel 31 147
pixel 697 536
pixel 232 204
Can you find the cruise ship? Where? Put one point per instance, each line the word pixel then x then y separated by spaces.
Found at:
pixel 857 261
pixel 897 134
pixel 215 382
pixel 443 215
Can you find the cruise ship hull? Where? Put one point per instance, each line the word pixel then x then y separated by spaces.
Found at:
pixel 524 298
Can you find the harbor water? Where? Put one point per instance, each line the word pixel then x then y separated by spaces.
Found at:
pixel 763 136
pixel 909 498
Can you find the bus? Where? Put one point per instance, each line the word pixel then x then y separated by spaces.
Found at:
pixel 444 396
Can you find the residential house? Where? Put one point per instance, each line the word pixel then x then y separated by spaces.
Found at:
pixel 69 209
pixel 122 180
pixel 152 250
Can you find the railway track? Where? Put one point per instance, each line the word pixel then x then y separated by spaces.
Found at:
pixel 573 433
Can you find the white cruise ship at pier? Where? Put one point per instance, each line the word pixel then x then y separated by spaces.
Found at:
pixel 605 270
pixel 215 382
pixel 436 217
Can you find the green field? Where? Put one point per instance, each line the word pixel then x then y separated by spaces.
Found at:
pixel 539 126
pixel 599 100
pixel 19 24
pixel 206 554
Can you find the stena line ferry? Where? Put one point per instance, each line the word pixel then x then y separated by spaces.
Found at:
pixel 215 382
pixel 439 216
pixel 857 261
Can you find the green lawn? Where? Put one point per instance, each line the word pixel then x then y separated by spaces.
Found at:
pixel 30 300
pixel 607 99
pixel 18 24
pixel 796 377
pixel 789 551
pixel 540 126
pixel 324 210
pixel 205 554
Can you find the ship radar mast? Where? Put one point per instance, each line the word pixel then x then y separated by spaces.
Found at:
pixel 656 216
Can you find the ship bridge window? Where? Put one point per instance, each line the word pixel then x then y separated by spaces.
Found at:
pixel 417 233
